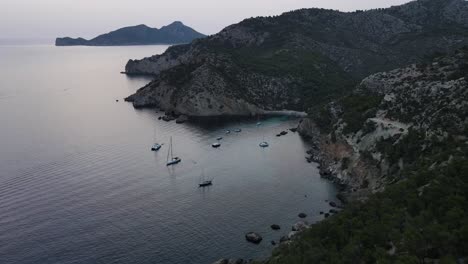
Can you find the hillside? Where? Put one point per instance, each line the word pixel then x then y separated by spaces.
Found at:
pixel 296 60
pixel 398 146
pixel 175 33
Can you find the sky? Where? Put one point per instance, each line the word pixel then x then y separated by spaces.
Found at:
pixel 47 19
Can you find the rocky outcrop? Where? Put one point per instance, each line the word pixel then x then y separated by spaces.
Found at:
pixel 206 92
pixel 296 60
pixel 300 226
pixel 174 33
pixel 308 128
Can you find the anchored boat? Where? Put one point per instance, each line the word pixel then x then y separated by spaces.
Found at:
pixel 263 144
pixel 205 182
pixel 156 146
pixel 173 160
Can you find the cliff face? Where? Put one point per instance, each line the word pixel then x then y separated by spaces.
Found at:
pixel 137 35
pixel 392 121
pixel 300 58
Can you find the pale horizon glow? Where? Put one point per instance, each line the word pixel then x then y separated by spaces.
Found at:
pixel 47 19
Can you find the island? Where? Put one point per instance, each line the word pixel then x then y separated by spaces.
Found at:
pixel 174 33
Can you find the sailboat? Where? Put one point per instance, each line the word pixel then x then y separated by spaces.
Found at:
pixel 173 160
pixel 263 144
pixel 156 146
pixel 204 182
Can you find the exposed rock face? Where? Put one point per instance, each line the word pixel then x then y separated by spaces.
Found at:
pixel 209 94
pixel 308 128
pixel 297 59
pixel 300 226
pixel 424 102
pixel 137 35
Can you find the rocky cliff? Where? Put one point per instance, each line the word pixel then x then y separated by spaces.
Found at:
pixel 173 33
pixel 398 142
pixel 390 121
pixel 298 59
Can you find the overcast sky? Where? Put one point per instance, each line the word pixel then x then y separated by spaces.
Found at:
pixel 88 18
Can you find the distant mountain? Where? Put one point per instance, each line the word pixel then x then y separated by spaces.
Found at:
pixel 174 33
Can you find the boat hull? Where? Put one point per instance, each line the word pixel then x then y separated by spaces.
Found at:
pixel 173 162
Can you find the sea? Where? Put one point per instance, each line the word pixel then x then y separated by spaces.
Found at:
pixel 79 184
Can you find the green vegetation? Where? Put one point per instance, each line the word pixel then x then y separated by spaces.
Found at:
pixel 318 79
pixel 420 217
pixel 422 213
pixel 357 109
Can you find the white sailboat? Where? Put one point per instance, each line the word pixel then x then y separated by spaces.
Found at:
pixel 263 144
pixel 156 146
pixel 173 160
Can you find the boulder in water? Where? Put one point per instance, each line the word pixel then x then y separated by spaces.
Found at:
pixel 275 227
pixel 253 237
pixel 182 119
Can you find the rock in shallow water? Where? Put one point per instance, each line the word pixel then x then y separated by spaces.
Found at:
pixel 275 227
pixel 182 119
pixel 253 237
pixel 302 215
pixel 230 261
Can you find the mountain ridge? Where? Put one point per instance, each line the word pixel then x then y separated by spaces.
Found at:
pixel 174 33
pixel 296 60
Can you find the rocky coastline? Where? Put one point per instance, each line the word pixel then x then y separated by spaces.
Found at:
pixel 357 134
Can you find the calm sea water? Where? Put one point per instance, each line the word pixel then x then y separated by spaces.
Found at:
pixel 78 183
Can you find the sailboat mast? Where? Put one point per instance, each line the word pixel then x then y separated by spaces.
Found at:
pixel 169 150
pixel 172 151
